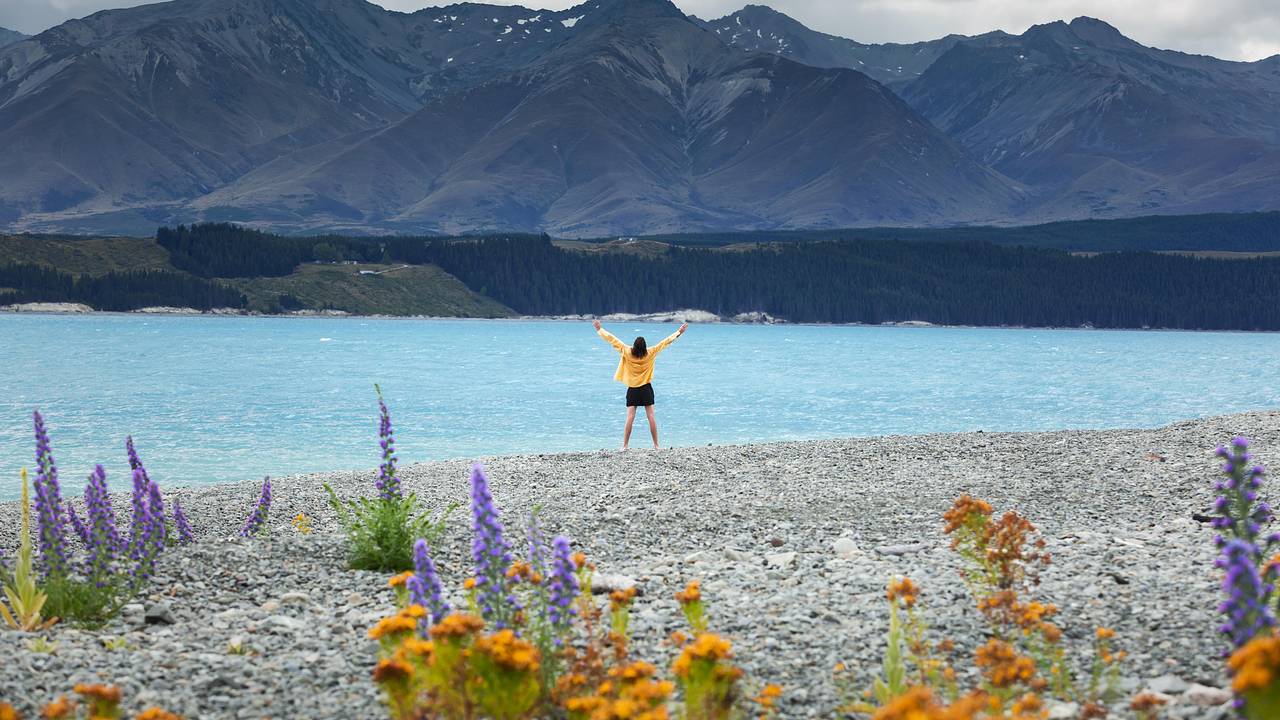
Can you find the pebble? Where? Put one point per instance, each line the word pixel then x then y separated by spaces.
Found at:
pixel 1168 685
pixel 845 548
pixel 1205 696
pixel 275 626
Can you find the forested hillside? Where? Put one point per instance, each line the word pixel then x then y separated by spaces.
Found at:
pixel 22 283
pixel 851 280
pixel 1232 232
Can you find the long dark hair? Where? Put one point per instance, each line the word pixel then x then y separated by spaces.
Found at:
pixel 639 349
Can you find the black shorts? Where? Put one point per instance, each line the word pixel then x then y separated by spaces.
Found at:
pixel 640 396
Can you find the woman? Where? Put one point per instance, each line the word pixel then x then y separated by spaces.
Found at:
pixel 635 368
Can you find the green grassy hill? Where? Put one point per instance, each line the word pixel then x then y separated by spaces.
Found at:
pixel 84 255
pixel 412 290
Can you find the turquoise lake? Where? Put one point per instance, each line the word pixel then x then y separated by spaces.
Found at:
pixel 211 399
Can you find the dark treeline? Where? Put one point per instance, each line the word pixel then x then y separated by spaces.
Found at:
pixel 849 280
pixel 1242 232
pixel 113 291
pixel 876 281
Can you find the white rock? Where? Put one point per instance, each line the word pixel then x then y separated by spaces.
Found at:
pixel 780 561
pixel 697 557
pixel 1168 685
pixel 607 583
pixel 1205 696
pixel 736 554
pixel 295 598
pixel 845 547
pixel 1063 710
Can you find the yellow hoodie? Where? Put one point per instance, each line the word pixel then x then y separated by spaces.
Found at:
pixel 632 370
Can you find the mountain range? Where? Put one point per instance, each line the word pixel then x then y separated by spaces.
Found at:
pixel 8 37
pixel 612 117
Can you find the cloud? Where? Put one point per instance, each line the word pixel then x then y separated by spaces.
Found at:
pixel 1231 29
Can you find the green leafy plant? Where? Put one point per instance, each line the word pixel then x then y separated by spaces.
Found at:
pixel 381 531
pixel 89 603
pixel 42 645
pixel 115 644
pixel 26 601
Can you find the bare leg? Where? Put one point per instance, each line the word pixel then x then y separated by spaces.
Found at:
pixel 653 425
pixel 626 434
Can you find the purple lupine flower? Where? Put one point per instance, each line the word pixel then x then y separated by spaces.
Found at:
pixel 141 502
pixel 104 541
pixel 77 524
pixel 156 517
pixel 185 535
pixel 388 483
pixel 258 518
pixel 1246 607
pixel 139 522
pixel 50 523
pixel 562 587
pixel 537 546
pixel 142 543
pixel 1249 580
pixel 492 555
pixel 424 585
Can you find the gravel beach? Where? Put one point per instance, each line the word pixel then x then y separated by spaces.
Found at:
pixel 758 524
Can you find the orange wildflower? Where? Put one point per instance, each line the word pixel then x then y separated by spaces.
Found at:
pixel 903 590
pixel 692 593
pixel 155 713
pixel 456 625
pixel 1256 665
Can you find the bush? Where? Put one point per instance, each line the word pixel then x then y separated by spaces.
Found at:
pixel 381 531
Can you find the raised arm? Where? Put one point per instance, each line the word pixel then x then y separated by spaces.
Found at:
pixel 669 339
pixel 608 337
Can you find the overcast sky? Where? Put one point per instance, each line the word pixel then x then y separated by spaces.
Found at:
pixel 1232 29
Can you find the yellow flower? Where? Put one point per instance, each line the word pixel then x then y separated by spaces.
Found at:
pixel 1105 633
pixel 903 590
pixel 962 510
pixel 1256 665
pixel 579 560
pixel 707 646
pixel 619 599
pixel 413 611
pixel 399 580
pixel 7 712
pixel 1004 667
pixel 58 709
pixel 456 625
pixel 507 650
pixel 393 625
pixel 417 647
pixel 392 671
pixel 469 584
pixel 155 713
pixel 768 695
pixel 692 593
pixel 101 693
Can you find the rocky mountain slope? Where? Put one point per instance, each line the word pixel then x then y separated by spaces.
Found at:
pixel 1103 126
pixel 1097 125
pixel 612 117
pixel 759 28
pixel 642 123
pixel 625 117
pixel 8 37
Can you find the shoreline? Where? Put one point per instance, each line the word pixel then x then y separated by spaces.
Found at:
pixel 666 319
pixel 757 524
